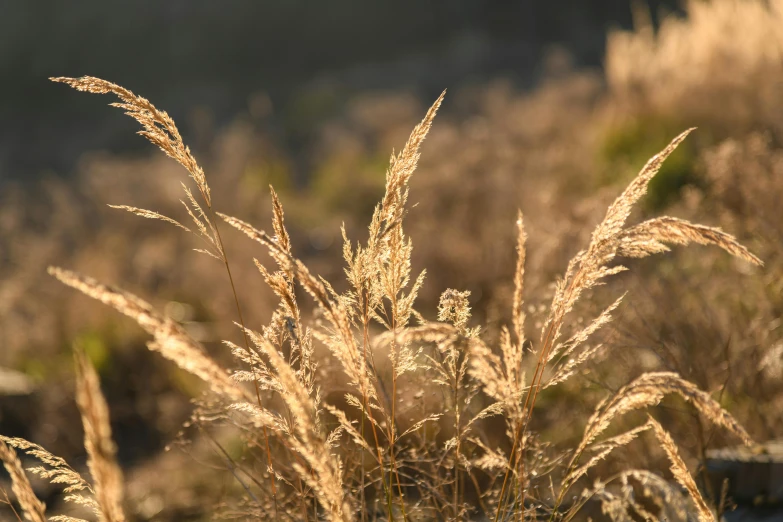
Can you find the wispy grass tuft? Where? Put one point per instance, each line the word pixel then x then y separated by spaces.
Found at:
pixel 381 450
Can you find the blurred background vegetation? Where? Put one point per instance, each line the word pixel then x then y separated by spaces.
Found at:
pixel 552 107
pixel 205 61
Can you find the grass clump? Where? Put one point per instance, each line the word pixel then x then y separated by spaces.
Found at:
pixel 372 455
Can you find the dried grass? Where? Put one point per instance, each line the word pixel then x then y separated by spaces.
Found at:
pixel 101 450
pixel 170 339
pixel 364 460
pixel 33 508
pixel 680 471
pixel 104 496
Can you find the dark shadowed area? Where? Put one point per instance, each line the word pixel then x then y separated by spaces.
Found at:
pixel 202 59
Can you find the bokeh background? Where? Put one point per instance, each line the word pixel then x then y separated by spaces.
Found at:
pixel 200 59
pixel 552 107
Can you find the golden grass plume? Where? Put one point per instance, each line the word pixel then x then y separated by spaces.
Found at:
pixel 101 450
